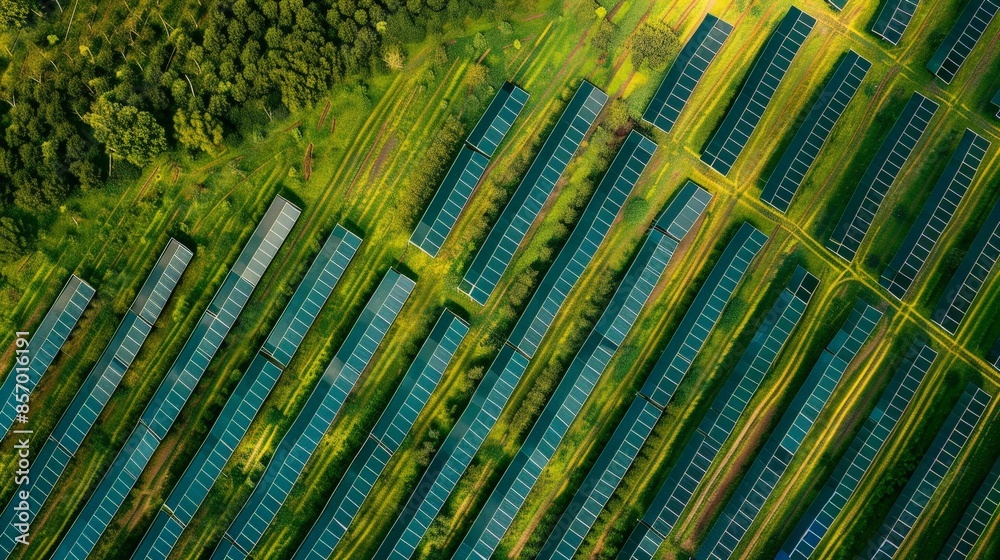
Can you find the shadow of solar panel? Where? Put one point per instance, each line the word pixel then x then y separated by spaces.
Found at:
pixel 964 36
pixel 795 424
pixel 685 73
pixel 524 205
pixel 936 214
pixel 865 446
pixel 766 75
pixel 500 115
pixel 721 419
pixel 880 176
pixel 315 417
pixel 180 381
pixel 975 519
pixel 970 276
pixel 449 201
pixel 893 19
pixel 44 344
pixel 579 381
pixel 385 439
pixel 919 490
pixel 814 132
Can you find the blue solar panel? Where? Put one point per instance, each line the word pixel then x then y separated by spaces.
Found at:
pixel 837 4
pixel 498 118
pixel 678 84
pixel 976 518
pixel 507 234
pixel 449 201
pixel 180 381
pixel 396 421
pixel 814 132
pixel 758 90
pixel 315 418
pixel 964 35
pixel 893 19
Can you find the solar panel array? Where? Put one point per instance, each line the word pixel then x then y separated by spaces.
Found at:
pixel 180 381
pixel 456 452
pixel 929 473
pixel 964 35
pixel 996 103
pixel 385 438
pixel 715 429
pixel 589 232
pixel 507 234
pixel 795 162
pixel 564 405
pixel 893 19
pixel 632 432
pixel 837 4
pixel 865 446
pixel 733 134
pixel 977 516
pixel 791 430
pixel 497 120
pixel 315 417
pixel 449 200
pixel 970 276
pixel 994 355
pixel 44 344
pixel 685 73
pixel 880 176
pixel 243 405
pixel 101 382
pixel 936 214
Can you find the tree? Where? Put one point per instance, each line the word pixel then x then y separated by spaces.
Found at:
pixel 654 46
pixel 14 13
pixel 13 240
pixel 199 131
pixel 126 132
pixel 394 58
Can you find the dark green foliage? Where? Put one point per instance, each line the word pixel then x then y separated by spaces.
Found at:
pixel 14 13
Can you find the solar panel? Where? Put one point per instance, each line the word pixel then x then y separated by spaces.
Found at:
pixel 589 232
pixel 786 438
pixel 180 381
pixel 996 103
pixel 880 175
pixel 582 376
pixel 385 439
pixel 101 382
pixel 929 473
pixel 758 90
pixel 449 200
pixel 814 132
pixel 498 118
pixel 970 276
pixel 507 234
pixel 685 73
pixel 865 446
pixel 893 19
pixel 466 437
pixel 977 516
pixel 936 214
pixel 837 4
pixel 964 35
pixel 994 355
pixel 44 344
pixel 715 427
pixel 315 418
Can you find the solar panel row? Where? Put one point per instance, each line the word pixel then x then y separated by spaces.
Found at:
pixel 795 423
pixel 994 355
pixel 101 382
pixel 893 19
pixel 44 344
pixel 996 103
pixel 589 232
pixel 507 234
pixel 837 4
pixel 977 516
pixel 498 118
pixel 880 176
pixel 244 403
pixel 451 197
pixel 936 214
pixel 181 378
pixel 388 434
pixel 685 73
pixel 315 417
pixel 795 162
pixel 929 473
pixel 632 432
pixel 582 376
pixel 733 134
pixel 970 276
pixel 865 446
pixel 497 385
pixel 718 424
pixel 964 35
